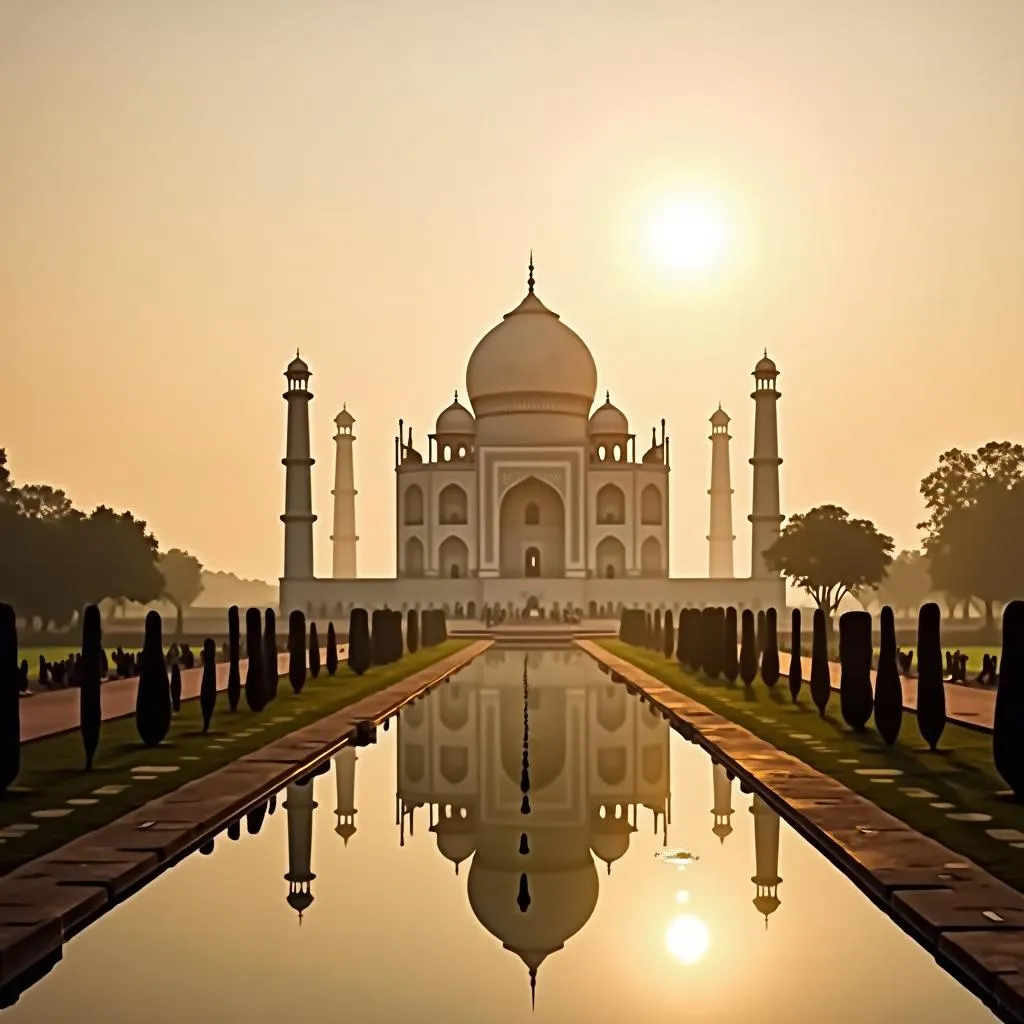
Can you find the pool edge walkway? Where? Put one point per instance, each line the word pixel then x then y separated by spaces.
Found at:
pixel 47 900
pixel 970 921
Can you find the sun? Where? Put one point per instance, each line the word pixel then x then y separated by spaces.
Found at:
pixel 692 235
pixel 687 938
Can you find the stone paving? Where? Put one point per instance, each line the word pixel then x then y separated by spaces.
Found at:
pixel 45 901
pixel 971 922
pixel 53 711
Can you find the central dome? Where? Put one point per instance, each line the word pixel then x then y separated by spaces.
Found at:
pixel 531 362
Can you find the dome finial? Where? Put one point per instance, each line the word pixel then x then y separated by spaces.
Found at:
pixel 456 394
pixel 608 397
pixel 530 281
pixel 533 988
pixel 766 351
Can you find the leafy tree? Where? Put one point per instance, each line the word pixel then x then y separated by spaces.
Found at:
pixel 906 586
pixel 855 696
pixel 153 697
pixel 888 684
pixel 10 707
pixel 931 693
pixel 208 686
pixel 829 555
pixel 821 679
pixel 90 712
pixel 183 582
pixel 1008 726
pixel 796 661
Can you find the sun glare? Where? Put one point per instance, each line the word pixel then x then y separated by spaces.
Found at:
pixel 691 236
pixel 687 938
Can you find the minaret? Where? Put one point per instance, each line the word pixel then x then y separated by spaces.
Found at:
pixel 298 515
pixel 766 853
pixel 720 537
pixel 345 780
pixel 722 789
pixel 299 807
pixel 765 518
pixel 344 536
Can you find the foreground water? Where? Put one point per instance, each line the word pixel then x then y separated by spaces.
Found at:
pixel 408 883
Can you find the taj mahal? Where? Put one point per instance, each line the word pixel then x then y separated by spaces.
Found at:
pixel 532 495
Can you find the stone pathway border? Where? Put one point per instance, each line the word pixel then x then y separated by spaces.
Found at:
pixel 50 712
pixel 44 902
pixel 970 921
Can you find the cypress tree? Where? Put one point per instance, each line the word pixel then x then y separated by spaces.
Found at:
pixel 175 687
pixel 711 643
pixel 656 639
pixel 396 624
pixel 270 653
pixel 378 639
pixel 623 617
pixel 332 650
pixel 1008 725
pixel 821 680
pixel 153 696
pixel 748 648
pixel 359 641
pixel 208 686
pixel 682 635
pixel 10 708
pixel 314 651
pixel 855 697
pixel 412 630
pixel 888 685
pixel 796 661
pixel 442 622
pixel 759 634
pixel 770 650
pixel 731 652
pixel 90 712
pixel 297 650
pixel 668 645
pixel 648 629
pixel 234 650
pixel 931 694
pixel 695 640
pixel 255 683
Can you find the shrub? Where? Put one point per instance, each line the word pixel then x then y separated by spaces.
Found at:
pixel 821 680
pixel 711 643
pixel 1008 726
pixel 332 650
pixel 359 641
pixel 668 640
pixel 234 650
pixel 748 648
pixel 759 634
pixel 770 650
pixel 855 697
pixel 90 711
pixel 255 683
pixel 888 685
pixel 731 641
pixel 270 653
pixel 10 708
pixel 931 694
pixel 153 696
pixel 796 661
pixel 297 651
pixel 314 651
pixel 208 686
pixel 175 687
pixel 412 630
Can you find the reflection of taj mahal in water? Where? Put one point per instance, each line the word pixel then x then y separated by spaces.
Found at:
pixel 594 766
pixel 532 493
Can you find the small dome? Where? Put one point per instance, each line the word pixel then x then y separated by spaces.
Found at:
pixel 300 900
pixel 456 419
pixel 765 367
pixel 720 418
pixel 456 838
pixel 609 420
pixel 297 367
pixel 344 418
pixel 609 837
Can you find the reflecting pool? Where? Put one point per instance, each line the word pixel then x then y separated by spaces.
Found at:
pixel 506 842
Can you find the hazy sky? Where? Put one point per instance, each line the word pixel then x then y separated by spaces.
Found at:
pixel 189 189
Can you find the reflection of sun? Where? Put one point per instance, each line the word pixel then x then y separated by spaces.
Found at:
pixel 687 938
pixel 691 235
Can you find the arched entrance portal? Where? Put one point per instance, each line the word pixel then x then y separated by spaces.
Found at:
pixel 532 524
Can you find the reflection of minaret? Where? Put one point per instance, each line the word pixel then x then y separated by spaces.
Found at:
pixel 298 515
pixel 344 536
pixel 299 806
pixel 345 780
pixel 766 849
pixel 722 786
pixel 765 517
pixel 720 536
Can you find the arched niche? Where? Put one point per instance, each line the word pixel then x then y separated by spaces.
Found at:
pixel 540 543
pixel 453 558
pixel 650 557
pixel 650 506
pixel 611 558
pixel 452 506
pixel 412 502
pixel 414 562
pixel 610 505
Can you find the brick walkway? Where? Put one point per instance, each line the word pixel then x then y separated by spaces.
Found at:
pixel 50 712
pixel 964 704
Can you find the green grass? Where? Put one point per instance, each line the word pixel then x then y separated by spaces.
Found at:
pixel 961 773
pixel 52 768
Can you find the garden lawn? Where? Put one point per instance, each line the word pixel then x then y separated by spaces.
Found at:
pixel 52 778
pixel 959 779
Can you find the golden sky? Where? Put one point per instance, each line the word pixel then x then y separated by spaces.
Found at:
pixel 189 189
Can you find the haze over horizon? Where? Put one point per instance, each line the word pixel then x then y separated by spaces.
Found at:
pixel 191 190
